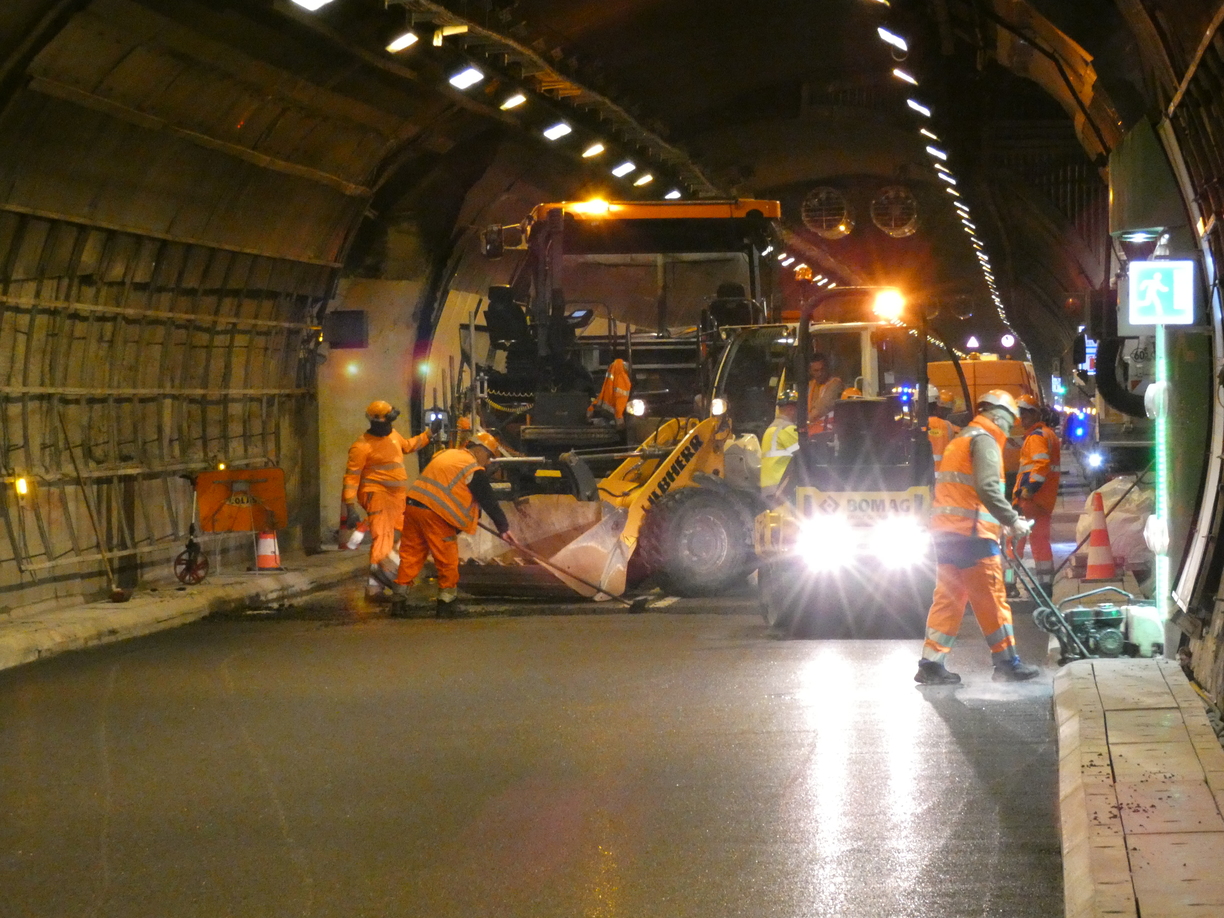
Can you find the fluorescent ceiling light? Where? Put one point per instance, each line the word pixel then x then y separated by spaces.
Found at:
pixel 623 169
pixel 940 167
pixel 968 224
pixel 557 131
pixel 788 262
pixel 918 107
pixel 937 153
pixel 953 192
pixel 466 78
pixel 946 177
pixel 675 193
pixel 514 101
pixel 644 180
pixel 311 5
pixel 593 150
pixel 407 40
pixel 902 75
pixel 895 40
pixel 925 133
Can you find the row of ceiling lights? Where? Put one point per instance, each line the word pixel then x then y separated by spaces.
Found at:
pixel 470 76
pixel 939 159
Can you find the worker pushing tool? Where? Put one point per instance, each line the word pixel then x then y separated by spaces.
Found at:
pixel 1036 491
pixel 968 513
pixel 375 478
pixel 446 499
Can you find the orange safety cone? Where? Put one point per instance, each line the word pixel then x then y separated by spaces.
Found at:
pixel 1101 565
pixel 267 552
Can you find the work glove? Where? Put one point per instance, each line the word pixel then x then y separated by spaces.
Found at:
pixel 1019 529
pixel 351 518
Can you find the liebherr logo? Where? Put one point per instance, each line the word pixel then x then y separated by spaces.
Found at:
pixel 685 457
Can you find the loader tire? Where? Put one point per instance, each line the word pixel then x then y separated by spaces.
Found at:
pixel 698 541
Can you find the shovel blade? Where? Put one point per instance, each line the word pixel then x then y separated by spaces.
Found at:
pixel 598 556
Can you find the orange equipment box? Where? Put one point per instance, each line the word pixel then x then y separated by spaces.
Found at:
pixel 242 500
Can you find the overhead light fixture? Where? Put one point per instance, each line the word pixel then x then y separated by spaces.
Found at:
pixel 918 107
pixel 623 169
pixel 946 177
pixel 466 78
pixel 937 153
pixel 940 167
pixel 311 5
pixel 675 193
pixel 593 150
pixel 790 261
pixel 953 192
pixel 895 40
pixel 446 32
pixel 513 102
pixel 644 180
pixel 902 75
pixel 557 131
pixel 782 256
pixel 407 40
pixel 925 133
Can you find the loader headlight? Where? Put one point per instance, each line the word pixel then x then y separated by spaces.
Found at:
pixel 827 543
pixel 900 541
pixel 636 407
pixel 718 407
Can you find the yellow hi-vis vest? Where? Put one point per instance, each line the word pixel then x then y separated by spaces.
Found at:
pixel 779 443
pixel 443 488
pixel 955 506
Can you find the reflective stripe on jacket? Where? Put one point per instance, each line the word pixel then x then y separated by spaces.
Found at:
pixel 614 394
pixel 940 433
pixel 779 443
pixel 443 488
pixel 956 507
pixel 377 463
pixel 1040 466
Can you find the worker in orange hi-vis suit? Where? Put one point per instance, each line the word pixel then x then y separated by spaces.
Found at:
pixel 968 512
pixel 445 500
pixel 1036 491
pixel 613 396
pixel 939 429
pixel 824 389
pixel 375 478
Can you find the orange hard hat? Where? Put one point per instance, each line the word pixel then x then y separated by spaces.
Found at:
pixel 1027 402
pixel 378 410
pixel 852 392
pixel 464 423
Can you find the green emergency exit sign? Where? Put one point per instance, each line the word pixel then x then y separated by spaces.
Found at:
pixel 1160 292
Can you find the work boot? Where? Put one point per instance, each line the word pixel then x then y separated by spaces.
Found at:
pixel 1012 670
pixel 448 603
pixel 932 673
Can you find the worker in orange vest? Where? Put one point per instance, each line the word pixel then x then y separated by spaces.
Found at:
pixel 968 513
pixel 939 429
pixel 375 478
pixel 1037 483
pixel 445 500
pixel 824 389
pixel 613 396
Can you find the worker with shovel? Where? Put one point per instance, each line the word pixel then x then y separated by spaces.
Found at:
pixel 446 499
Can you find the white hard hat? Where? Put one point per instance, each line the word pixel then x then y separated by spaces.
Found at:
pixel 1000 398
pixel 932 393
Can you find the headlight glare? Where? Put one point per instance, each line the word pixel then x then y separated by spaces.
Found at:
pixel 827 543
pixel 899 541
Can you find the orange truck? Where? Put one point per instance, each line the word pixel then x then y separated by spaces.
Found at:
pixel 984 372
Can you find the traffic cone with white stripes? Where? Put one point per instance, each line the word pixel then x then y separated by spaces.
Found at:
pixel 267 552
pixel 1101 565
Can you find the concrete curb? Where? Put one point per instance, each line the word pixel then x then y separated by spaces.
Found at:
pixel 26 637
pixel 1141 791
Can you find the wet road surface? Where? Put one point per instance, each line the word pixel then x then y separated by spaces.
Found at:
pixel 329 761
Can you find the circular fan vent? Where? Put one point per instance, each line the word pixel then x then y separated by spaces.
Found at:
pixel 827 213
pixel 895 211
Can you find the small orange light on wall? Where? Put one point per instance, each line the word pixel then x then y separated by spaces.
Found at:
pixel 22 486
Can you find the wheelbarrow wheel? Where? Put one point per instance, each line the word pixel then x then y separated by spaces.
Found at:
pixel 191 566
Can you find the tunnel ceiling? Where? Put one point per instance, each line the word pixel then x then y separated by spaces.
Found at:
pixel 261 126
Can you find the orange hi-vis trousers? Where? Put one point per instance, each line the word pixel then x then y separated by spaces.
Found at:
pixel 425 533
pixel 981 586
pixel 1039 540
pixel 384 509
